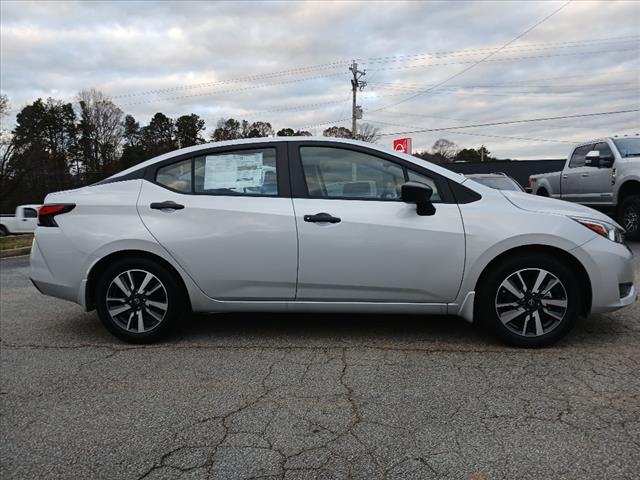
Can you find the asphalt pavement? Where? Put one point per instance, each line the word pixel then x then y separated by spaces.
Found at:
pixel 250 396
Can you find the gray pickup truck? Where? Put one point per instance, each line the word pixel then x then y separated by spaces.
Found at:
pixel 602 174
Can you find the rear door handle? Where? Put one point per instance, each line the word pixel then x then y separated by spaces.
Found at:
pixel 321 217
pixel 167 205
pixel 585 174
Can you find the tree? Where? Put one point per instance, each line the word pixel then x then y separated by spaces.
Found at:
pixel 133 150
pixel 159 136
pixel 444 148
pixel 290 132
pixel 337 132
pixel 367 133
pixel 259 129
pixel 188 129
pixel 229 129
pixel 429 157
pixel 101 133
pixel 44 147
pixel 474 155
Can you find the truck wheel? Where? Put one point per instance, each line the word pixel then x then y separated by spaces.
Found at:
pixel 629 216
pixel 542 193
pixel 3 231
pixel 529 300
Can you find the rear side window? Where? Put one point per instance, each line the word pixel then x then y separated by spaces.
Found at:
pixel 579 155
pixel 176 176
pixel 248 172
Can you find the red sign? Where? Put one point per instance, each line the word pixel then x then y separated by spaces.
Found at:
pixel 402 145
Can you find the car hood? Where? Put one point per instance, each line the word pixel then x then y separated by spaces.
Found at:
pixel 534 203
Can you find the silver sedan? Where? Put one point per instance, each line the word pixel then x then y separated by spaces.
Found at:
pixel 323 225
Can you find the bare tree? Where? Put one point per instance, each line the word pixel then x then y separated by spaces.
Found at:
pixel 6 144
pixel 101 130
pixel 367 133
pixel 445 148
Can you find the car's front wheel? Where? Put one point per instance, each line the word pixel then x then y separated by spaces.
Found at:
pixel 138 300
pixel 531 300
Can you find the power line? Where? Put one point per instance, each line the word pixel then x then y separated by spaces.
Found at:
pixel 462 72
pixel 511 122
pixel 476 51
pixel 342 63
pixel 478 134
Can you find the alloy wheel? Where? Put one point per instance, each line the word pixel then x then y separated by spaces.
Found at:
pixel 137 301
pixel 630 219
pixel 531 302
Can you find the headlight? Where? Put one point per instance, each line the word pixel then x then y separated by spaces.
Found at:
pixel 604 229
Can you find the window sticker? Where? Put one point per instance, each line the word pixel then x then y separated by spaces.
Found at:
pixel 233 171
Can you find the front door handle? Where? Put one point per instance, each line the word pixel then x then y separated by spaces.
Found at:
pixel 565 176
pixel 167 205
pixel 322 217
pixel 585 174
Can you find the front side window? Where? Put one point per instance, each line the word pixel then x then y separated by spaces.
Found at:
pixel 579 155
pixel 249 172
pixel 340 173
pixel 418 177
pixel 604 149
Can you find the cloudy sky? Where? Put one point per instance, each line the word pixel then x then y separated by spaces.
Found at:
pixel 287 63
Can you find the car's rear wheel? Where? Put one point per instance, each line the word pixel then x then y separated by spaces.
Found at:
pixel 138 300
pixel 629 216
pixel 3 231
pixel 531 300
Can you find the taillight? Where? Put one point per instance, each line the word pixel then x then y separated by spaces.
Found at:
pixel 46 213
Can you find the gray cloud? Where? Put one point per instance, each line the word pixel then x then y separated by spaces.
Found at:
pixel 125 48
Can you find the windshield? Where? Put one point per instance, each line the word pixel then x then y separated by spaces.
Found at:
pixel 499 183
pixel 628 147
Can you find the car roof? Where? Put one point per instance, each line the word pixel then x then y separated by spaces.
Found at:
pixel 262 140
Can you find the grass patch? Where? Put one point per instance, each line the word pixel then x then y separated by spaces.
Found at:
pixel 18 241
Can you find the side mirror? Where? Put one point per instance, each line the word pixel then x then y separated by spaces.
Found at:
pixel 420 194
pixel 592 159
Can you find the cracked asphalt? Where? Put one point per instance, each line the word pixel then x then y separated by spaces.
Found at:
pixel 317 396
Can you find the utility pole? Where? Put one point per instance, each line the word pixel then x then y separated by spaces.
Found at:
pixel 356 84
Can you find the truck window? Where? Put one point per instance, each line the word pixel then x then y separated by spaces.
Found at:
pixel 30 213
pixel 604 149
pixel 579 154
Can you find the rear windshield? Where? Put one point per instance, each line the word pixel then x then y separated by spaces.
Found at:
pixel 628 147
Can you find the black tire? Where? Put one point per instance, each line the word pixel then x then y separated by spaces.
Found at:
pixel 169 292
pixel 488 294
pixel 542 193
pixel 3 231
pixel 629 216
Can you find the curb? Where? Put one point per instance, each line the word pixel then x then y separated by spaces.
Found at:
pixel 15 252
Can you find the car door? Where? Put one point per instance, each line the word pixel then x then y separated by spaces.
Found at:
pixel 597 186
pixel 358 241
pixel 576 174
pixel 226 217
pixel 26 220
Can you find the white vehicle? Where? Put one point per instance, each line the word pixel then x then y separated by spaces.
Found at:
pixel 25 220
pixel 251 225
